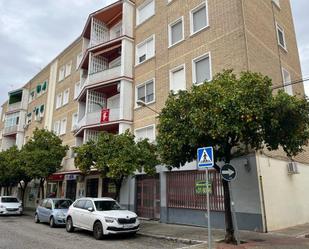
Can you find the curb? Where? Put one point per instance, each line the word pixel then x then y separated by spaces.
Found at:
pixel 175 239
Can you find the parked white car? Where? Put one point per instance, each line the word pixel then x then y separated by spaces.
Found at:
pixel 10 205
pixel 103 216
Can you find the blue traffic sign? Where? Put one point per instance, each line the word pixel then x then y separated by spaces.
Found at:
pixel 205 157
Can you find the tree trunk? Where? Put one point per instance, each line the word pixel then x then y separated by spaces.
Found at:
pixel 118 183
pixel 23 190
pixel 42 187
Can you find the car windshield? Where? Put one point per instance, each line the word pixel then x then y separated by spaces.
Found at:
pixel 62 204
pixel 107 205
pixel 9 200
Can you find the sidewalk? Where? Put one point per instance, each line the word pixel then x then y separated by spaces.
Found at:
pixel 196 237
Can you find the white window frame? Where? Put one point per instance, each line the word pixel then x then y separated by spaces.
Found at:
pixel 57 132
pixel 58 97
pixel 61 75
pixel 288 87
pixel 144 84
pixel 62 130
pixel 145 127
pixel 73 124
pixel 197 8
pixel 138 9
pixel 77 89
pixel 68 69
pixel 79 59
pixel 279 28
pixel 208 54
pixel 175 69
pixel 152 37
pixel 180 19
pixel 66 101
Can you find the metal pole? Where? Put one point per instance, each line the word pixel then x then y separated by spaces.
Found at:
pixel 234 215
pixel 208 210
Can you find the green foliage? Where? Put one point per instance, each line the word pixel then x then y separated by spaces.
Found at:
pixel 233 115
pixel 9 164
pixel 42 154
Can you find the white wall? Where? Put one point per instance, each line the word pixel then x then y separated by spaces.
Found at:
pixel 286 196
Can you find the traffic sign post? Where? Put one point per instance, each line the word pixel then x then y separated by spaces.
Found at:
pixel 228 173
pixel 205 160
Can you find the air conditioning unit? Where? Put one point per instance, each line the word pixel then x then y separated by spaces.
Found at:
pixel 293 168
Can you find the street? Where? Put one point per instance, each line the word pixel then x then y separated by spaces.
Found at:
pixel 22 233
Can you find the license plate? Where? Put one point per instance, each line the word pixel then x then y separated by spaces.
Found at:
pixel 128 226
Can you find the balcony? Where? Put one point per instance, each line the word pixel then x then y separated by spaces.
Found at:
pixel 104 75
pixel 94 118
pixel 14 107
pixel 10 129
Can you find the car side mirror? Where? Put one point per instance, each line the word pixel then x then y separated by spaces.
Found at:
pixel 90 209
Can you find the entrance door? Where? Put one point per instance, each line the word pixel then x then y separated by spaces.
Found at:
pixel 92 187
pixel 71 190
pixel 148 197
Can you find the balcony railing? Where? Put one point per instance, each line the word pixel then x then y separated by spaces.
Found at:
pixel 10 129
pixel 15 106
pixel 94 118
pixel 106 38
pixel 104 75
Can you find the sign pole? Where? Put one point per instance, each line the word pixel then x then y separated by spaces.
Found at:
pixel 208 211
pixel 234 215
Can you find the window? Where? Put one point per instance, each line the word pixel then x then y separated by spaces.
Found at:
pixel 178 79
pixel 79 58
pixel 145 50
pixel 56 128
pixel 31 96
pixel 146 132
pixel 63 126
pixel 145 92
pixel 61 73
pixel 66 96
pixel 74 121
pixel 175 32
pixel 77 89
pixel 68 68
pixel 29 118
pixel 145 11
pixel 44 86
pixel 42 109
pixel 59 100
pixel 281 37
pixel 287 81
pixel 199 18
pixel 201 69
pixel 38 89
pixel 88 204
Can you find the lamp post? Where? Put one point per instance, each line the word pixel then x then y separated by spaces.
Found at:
pixel 143 104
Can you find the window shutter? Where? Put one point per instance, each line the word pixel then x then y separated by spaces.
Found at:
pixel 199 19
pixel 202 70
pixel 178 80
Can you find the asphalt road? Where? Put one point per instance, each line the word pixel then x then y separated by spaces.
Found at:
pixel 22 233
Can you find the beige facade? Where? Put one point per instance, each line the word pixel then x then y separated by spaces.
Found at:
pixel 131 54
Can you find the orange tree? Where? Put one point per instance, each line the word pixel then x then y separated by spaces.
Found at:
pixel 235 115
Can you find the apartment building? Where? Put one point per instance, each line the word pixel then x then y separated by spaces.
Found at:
pixel 117 76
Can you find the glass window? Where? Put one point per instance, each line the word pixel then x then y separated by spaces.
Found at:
pixel 145 50
pixel 44 202
pixel 175 32
pixel 287 82
pixel 199 18
pixel 74 120
pixel 79 58
pixel 49 204
pixel 57 127
pixel 77 90
pixel 9 200
pixel 146 132
pixel 145 92
pixel 68 68
pixel 178 79
pixel 281 38
pixel 63 126
pixel 88 204
pixel 201 69
pixel 61 73
pixel 62 204
pixel 146 10
pixel 80 204
pixel 66 96
pixel 59 100
pixel 107 205
pixel 44 86
pixel 38 88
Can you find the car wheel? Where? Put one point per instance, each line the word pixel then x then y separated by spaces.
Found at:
pixel 69 225
pixel 52 222
pixel 98 230
pixel 36 218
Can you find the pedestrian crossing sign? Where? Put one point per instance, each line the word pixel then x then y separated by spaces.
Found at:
pixel 205 157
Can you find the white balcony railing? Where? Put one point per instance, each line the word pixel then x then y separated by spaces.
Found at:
pixel 94 118
pixel 15 106
pixel 104 75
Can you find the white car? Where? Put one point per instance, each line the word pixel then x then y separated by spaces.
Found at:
pixel 103 216
pixel 10 205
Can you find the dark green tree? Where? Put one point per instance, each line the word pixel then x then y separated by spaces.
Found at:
pixel 235 116
pixel 117 157
pixel 42 156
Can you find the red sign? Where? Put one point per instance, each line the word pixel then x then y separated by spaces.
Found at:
pixel 56 177
pixel 104 115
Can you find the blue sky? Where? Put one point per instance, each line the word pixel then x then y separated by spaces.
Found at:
pixel 51 25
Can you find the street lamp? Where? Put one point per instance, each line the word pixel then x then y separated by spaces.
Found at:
pixel 143 104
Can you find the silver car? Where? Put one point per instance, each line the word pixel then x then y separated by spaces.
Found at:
pixel 10 205
pixel 52 211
